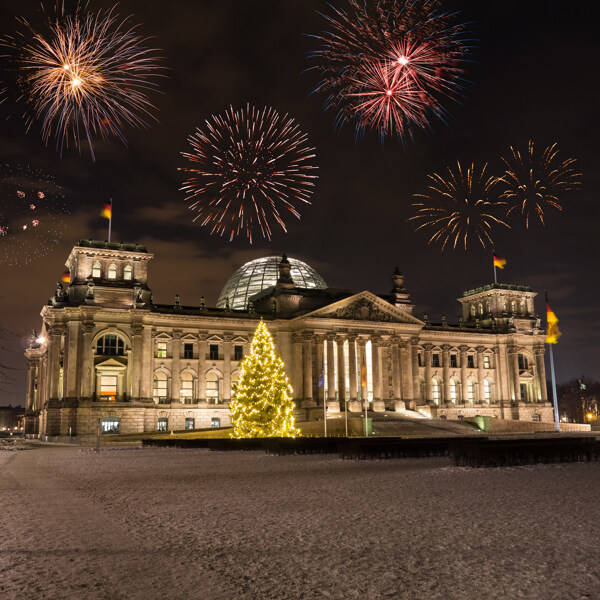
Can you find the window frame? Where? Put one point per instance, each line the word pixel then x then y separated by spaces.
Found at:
pixel 112 271
pixel 212 353
pixel 188 346
pixel 161 349
pixel 127 272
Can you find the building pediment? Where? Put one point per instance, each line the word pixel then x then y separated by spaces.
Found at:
pixel 110 364
pixel 364 306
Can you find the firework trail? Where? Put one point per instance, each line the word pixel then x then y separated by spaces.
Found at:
pixel 85 75
pixel 459 207
pixel 32 214
pixel 248 167
pixel 419 45
pixel 531 183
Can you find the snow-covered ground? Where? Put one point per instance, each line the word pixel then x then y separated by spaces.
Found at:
pixel 192 524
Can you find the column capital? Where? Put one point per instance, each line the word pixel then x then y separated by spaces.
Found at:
pixel 56 329
pixel 446 347
pixel 463 349
pixel 414 340
pixel 361 341
pixel 297 337
pixel 428 347
pixel 227 337
pixel 396 340
pixel 176 334
pixel 385 343
pixel 330 337
pixel 539 350
pixel 480 349
pixel 340 338
pixel 352 336
pixel 202 336
pixel 88 327
pixel 376 339
pixel 319 338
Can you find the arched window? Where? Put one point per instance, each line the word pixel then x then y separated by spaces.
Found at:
pixel 471 390
pixel 480 308
pixel 110 345
pixel 513 307
pixel 453 391
pixel 435 390
pixel 487 306
pixel 213 388
pixel 97 270
pixel 112 272
pixel 504 306
pixel 128 272
pixel 487 390
pixel 522 307
pixel 160 387
pixel 187 388
pixel 473 311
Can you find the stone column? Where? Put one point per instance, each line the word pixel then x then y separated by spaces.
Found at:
pixel 318 369
pixel 87 360
pixel 428 391
pixel 176 365
pixel 70 373
pixel 55 335
pixel 446 372
pixel 352 366
pixel 341 370
pixel 397 379
pixel 30 383
pixel 406 370
pixel 121 386
pixel 307 368
pixel 330 340
pixel 464 385
pixel 480 378
pixel 296 370
pixel 202 349
pixel 147 375
pixel 227 367
pixel 541 371
pixel 136 359
pixel 376 366
pixel 360 355
pixel 513 354
pixel 413 351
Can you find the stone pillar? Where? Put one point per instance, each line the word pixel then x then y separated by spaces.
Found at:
pixel 413 350
pixel 227 367
pixel 446 372
pixel 136 359
pixel 30 385
pixel 318 369
pixel 202 350
pixel 147 375
pixel 87 360
pixel 376 366
pixel 541 371
pixel 464 385
pixel 428 391
pixel 296 368
pixel 480 378
pixel 307 368
pixel 397 379
pixel 121 386
pixel 406 368
pixel 176 365
pixel 352 376
pixel 330 340
pixel 341 369
pixel 513 353
pixel 70 373
pixel 55 335
pixel 360 355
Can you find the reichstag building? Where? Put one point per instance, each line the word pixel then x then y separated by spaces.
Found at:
pixel 107 356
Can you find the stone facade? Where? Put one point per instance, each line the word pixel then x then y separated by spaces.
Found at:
pixel 108 356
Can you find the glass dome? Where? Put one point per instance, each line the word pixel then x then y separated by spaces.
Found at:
pixel 262 273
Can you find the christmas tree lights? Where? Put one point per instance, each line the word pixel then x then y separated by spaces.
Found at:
pixel 262 403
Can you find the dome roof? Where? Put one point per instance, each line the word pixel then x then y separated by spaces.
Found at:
pixel 259 274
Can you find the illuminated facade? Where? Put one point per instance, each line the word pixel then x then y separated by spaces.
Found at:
pixel 108 356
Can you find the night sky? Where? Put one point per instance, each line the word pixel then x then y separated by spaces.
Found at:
pixel 535 76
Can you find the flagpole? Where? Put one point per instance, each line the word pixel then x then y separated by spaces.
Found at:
pixel 346 411
pixel 556 421
pixel 110 221
pixel 365 393
pixel 495 276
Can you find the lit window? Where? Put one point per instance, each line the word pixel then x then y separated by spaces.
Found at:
pixel 536 417
pixel 160 387
pixel 513 307
pixel 471 390
pixel 161 350
pixel 108 387
pixel 112 272
pixel 238 352
pixel 215 422
pixel 473 310
pixel 487 362
pixel 470 361
pixel 480 308
pixel 213 388
pixel 163 424
pixel 522 307
pixel 128 272
pixel 189 423
pixel 97 270
pixel 487 306
pixel 188 350
pixel 453 360
pixel 435 390
pixel 111 425
pixel 487 390
pixel 435 360
pixel 187 388
pixel 504 306
pixel 214 351
pixel 453 391
pixel 111 345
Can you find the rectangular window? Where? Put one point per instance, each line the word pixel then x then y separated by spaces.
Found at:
pixel 189 423
pixel 214 351
pixel 420 359
pixel 163 424
pixel 215 422
pixel 435 360
pixel 161 350
pixel 536 418
pixel 487 362
pixel 238 352
pixel 523 362
pixel 470 361
pixel 453 361
pixel 111 425
pixel 187 390
pixel 188 350
pixel 524 392
pixel 108 387
pixel 212 390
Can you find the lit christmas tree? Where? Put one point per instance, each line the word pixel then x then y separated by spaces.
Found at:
pixel 262 403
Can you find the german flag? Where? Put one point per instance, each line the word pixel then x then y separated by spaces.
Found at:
pixel 66 277
pixel 499 262
pixel 363 373
pixel 552 331
pixel 107 211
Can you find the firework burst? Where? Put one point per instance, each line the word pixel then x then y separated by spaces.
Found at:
pixel 86 75
pixel 459 208
pixel 32 214
pixel 533 183
pixel 420 46
pixel 249 166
